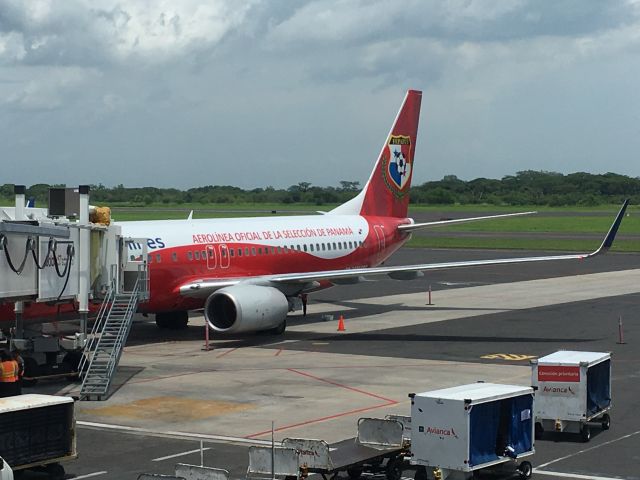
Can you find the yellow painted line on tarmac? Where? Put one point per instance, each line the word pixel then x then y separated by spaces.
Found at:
pixel 508 356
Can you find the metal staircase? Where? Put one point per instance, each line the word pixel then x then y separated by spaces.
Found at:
pixel 108 337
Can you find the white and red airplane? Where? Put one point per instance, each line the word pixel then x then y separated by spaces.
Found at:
pixel 247 272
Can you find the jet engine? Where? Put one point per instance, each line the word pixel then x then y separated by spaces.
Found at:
pixel 246 308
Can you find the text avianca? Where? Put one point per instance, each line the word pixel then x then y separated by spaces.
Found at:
pixel 248 273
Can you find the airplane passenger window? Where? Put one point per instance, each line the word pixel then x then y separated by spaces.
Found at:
pixel 317 247
pixel 285 249
pixel 239 252
pixel 197 255
pixel 253 251
pixel 311 247
pixel 299 248
pixel 190 256
pixel 231 252
pixel 149 258
pixel 273 250
pixel 246 251
pixel 292 248
pixel 279 249
pixel 211 253
pixel 350 245
pixel 174 256
pixel 223 252
pixel 328 246
pixel 323 247
pixel 305 247
pixel 334 246
pixel 266 250
pixel 158 258
pixel 259 251
pixel 204 255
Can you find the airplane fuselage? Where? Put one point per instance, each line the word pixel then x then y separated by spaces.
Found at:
pixel 183 251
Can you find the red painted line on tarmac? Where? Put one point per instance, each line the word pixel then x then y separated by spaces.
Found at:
pixel 278 352
pixel 322 419
pixel 331 382
pixel 387 403
pixel 226 353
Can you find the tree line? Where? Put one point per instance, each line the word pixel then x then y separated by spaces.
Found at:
pixel 524 188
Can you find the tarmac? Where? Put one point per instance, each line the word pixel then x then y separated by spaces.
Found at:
pixel 315 382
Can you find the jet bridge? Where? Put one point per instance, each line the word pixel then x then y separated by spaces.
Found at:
pixel 58 266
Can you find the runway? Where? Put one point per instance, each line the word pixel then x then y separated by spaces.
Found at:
pixel 484 324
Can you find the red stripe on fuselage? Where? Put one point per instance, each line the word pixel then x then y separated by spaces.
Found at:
pixel 179 265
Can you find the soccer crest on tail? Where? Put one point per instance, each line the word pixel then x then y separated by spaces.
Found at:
pixel 386 193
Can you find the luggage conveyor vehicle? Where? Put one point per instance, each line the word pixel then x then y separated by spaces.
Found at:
pixel 462 431
pixel 380 447
pixel 573 392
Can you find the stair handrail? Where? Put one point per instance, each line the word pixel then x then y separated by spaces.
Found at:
pixel 98 325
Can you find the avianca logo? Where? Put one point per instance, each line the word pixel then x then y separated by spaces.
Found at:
pixel 445 432
pixel 558 390
pixel 397 163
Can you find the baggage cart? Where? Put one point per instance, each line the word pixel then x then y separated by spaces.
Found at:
pixel 380 447
pixel 573 392
pixel 458 432
pixel 38 432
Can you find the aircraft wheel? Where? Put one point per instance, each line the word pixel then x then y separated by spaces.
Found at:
pixel 354 473
pixel 394 470
pixel 55 471
pixel 279 330
pixel 178 320
pixel 162 320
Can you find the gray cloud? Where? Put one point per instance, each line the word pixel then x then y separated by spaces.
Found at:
pixel 275 92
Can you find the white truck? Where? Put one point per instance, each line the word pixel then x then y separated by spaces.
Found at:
pixel 461 430
pixel 573 392
pixel 5 470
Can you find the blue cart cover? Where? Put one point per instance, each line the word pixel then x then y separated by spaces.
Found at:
pixel 598 387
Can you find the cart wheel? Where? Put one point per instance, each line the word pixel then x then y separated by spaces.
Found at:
pixel 606 421
pixel 394 470
pixel 354 473
pixel 585 433
pixel 55 471
pixel 539 430
pixel 421 474
pixel 525 470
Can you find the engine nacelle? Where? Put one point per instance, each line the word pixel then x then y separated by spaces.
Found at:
pixel 246 308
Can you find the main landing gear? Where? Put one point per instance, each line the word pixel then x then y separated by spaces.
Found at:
pixel 172 320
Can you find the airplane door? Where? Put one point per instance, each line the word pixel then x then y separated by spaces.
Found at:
pixel 379 229
pixel 211 257
pixel 224 256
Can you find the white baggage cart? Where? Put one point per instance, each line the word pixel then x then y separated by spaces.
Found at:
pixel 380 447
pixel 461 430
pixel 573 392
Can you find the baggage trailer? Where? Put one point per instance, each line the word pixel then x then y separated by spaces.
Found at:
pixel 38 432
pixel 380 447
pixel 458 432
pixel 573 392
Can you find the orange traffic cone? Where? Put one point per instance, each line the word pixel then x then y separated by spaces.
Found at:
pixel 341 324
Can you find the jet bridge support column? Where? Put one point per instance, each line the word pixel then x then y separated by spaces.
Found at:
pixel 19 191
pixel 84 258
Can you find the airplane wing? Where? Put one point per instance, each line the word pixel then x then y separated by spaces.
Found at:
pixel 416 226
pixel 204 287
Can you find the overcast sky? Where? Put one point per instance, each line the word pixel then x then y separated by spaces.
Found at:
pixel 188 93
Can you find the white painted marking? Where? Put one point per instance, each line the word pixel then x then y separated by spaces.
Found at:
pixel 537 471
pixel 588 449
pixel 171 434
pixel 89 475
pixel 175 455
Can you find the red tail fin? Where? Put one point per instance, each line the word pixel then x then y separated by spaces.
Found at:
pixel 386 193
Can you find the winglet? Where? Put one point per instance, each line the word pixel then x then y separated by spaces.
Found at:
pixel 190 217
pixel 611 235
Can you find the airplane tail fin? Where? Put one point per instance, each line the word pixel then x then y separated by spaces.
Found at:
pixel 386 193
